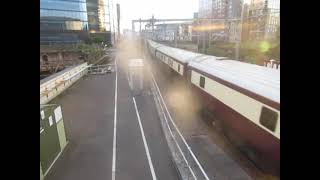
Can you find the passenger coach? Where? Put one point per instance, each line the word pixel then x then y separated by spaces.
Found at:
pixel 174 58
pixel 244 97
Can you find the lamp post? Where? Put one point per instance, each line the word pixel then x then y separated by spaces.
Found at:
pixel 240 33
pixel 118 20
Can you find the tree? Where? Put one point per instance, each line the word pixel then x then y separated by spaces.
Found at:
pixel 98 40
pixel 91 51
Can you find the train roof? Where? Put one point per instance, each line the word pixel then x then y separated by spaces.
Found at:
pixel 257 79
pixel 180 55
pixel 154 44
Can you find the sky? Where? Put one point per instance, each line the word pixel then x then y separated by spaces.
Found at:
pixel 135 9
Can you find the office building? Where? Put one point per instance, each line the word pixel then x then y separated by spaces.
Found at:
pixel 99 19
pixel 63 22
pixel 223 25
pixel 70 22
pixel 264 19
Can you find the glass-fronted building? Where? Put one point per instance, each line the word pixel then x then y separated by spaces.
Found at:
pixel 74 21
pixel 98 15
pixel 273 19
pixel 99 19
pixel 205 9
pixel 264 19
pixel 224 10
pixel 63 21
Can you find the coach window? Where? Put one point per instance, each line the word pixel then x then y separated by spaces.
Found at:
pixel 202 81
pixel 268 118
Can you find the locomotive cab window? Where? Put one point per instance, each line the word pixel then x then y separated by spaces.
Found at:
pixel 268 118
pixel 202 81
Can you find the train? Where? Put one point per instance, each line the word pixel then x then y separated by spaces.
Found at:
pixel 244 97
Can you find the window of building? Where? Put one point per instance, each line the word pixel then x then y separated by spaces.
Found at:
pixel 202 81
pixel 268 118
pixel 178 67
pixel 45 59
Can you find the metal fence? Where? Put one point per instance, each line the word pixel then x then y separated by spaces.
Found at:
pixel 101 69
pixel 272 64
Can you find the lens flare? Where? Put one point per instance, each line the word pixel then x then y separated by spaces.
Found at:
pixel 208 27
pixel 264 46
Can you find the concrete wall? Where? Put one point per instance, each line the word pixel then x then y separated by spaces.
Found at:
pixel 56 85
pixel 65 57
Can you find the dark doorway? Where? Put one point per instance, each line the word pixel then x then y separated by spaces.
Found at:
pixel 45 59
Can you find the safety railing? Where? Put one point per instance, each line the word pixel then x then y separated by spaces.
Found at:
pixel 53 87
pixel 272 64
pixel 101 69
pixel 185 160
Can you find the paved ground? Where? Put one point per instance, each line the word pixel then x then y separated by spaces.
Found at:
pixel 132 162
pixel 88 109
